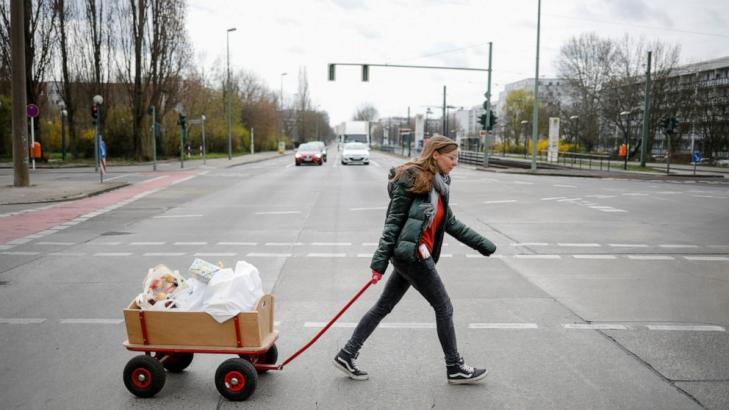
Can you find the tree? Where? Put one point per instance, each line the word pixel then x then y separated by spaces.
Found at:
pixel 365 112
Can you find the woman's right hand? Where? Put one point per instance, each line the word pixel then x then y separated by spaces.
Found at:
pixel 376 276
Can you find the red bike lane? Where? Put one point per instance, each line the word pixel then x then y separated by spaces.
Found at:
pixel 16 227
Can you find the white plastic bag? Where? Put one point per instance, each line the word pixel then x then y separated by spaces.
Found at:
pixel 231 292
pixel 192 296
pixel 161 287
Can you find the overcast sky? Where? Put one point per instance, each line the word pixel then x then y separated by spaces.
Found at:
pixel 277 36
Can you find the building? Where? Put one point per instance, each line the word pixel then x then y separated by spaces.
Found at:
pixel 550 89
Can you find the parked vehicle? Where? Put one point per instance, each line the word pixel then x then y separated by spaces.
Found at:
pixel 309 153
pixel 355 153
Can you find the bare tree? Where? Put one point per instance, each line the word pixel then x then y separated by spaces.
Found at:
pixel 365 112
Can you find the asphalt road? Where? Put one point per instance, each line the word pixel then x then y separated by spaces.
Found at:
pixel 602 294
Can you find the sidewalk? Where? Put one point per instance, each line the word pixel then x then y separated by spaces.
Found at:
pixel 57 184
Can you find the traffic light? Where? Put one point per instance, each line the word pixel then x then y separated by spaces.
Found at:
pixel 181 121
pixel 332 72
pixel 482 121
pixel 365 72
pixel 492 121
pixel 94 112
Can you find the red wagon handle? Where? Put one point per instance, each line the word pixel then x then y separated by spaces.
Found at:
pixel 321 332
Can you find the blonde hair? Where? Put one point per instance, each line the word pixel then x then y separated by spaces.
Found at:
pixel 425 164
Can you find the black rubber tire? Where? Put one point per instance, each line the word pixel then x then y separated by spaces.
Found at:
pixel 236 370
pixel 176 362
pixel 297 164
pixel 144 376
pixel 270 357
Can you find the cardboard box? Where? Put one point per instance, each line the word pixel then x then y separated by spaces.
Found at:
pixel 178 329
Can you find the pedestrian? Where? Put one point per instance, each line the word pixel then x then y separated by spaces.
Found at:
pixel 417 218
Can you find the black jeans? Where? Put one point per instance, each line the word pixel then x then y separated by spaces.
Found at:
pixel 423 276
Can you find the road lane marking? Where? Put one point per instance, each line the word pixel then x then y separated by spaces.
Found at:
pixel 594 256
pixel 553 198
pixel 164 254
pixel 569 200
pixel 21 321
pixel 689 328
pixel 284 243
pixel 56 243
pixel 107 243
pixel 504 201
pixel 91 321
pixel 370 244
pixel 633 194
pixel 579 245
pixel 628 245
pixel 66 254
pixel 677 246
pixel 190 243
pixel 19 253
pixel 503 326
pixel 215 254
pixel 564 186
pixel 530 244
pixel 364 255
pixel 537 256
pixel 113 254
pixel 238 243
pixel 651 257
pixel 331 243
pixel 278 213
pixel 177 216
pixel 326 255
pixel 146 243
pixel 594 326
pixel 378 208
pixel 268 255
pixel 706 258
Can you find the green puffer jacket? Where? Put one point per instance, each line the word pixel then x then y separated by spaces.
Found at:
pixel 406 222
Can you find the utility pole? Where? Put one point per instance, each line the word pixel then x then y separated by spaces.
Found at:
pixel 646 112
pixel 535 112
pixel 20 121
pixel 488 112
pixel 445 119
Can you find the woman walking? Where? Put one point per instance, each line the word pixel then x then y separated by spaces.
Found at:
pixel 417 219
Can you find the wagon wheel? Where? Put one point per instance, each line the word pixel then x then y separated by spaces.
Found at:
pixel 236 379
pixel 144 376
pixel 174 362
pixel 270 357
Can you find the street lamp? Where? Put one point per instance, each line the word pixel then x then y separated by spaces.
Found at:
pixel 227 84
pixel 524 124
pixel 98 100
pixel 64 113
pixel 626 115
pixel 576 130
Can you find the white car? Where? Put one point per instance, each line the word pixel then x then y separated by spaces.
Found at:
pixel 355 153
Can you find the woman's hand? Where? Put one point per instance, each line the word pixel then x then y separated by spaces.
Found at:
pixel 376 276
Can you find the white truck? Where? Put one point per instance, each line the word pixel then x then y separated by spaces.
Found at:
pixel 353 131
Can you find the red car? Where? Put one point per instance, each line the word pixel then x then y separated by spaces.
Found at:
pixel 309 153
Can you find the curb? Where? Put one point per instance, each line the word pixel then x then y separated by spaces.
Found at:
pixel 72 198
pixel 258 160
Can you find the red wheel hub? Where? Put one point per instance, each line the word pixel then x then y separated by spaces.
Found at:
pixel 141 378
pixel 235 381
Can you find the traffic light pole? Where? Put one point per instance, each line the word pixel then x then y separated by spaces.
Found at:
pixel 488 112
pixel 646 112
pixel 21 175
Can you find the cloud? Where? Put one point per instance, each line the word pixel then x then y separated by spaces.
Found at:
pixel 351 4
pixel 638 11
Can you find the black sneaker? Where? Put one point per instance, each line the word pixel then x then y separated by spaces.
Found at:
pixel 461 373
pixel 347 363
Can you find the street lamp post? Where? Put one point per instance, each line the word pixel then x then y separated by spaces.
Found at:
pixel 227 86
pixel 281 102
pixel 98 100
pixel 626 115
pixel 576 131
pixel 524 124
pixel 64 113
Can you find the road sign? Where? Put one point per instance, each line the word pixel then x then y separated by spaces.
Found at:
pixel 696 157
pixel 194 121
pixel 32 110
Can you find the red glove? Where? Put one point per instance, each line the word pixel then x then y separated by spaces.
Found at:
pixel 376 276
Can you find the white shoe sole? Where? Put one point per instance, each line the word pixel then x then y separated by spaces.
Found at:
pixel 350 375
pixel 469 381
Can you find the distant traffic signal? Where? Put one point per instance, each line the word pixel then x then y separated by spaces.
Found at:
pixel 365 72
pixel 332 72
pixel 492 121
pixel 181 121
pixel 94 112
pixel 482 120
